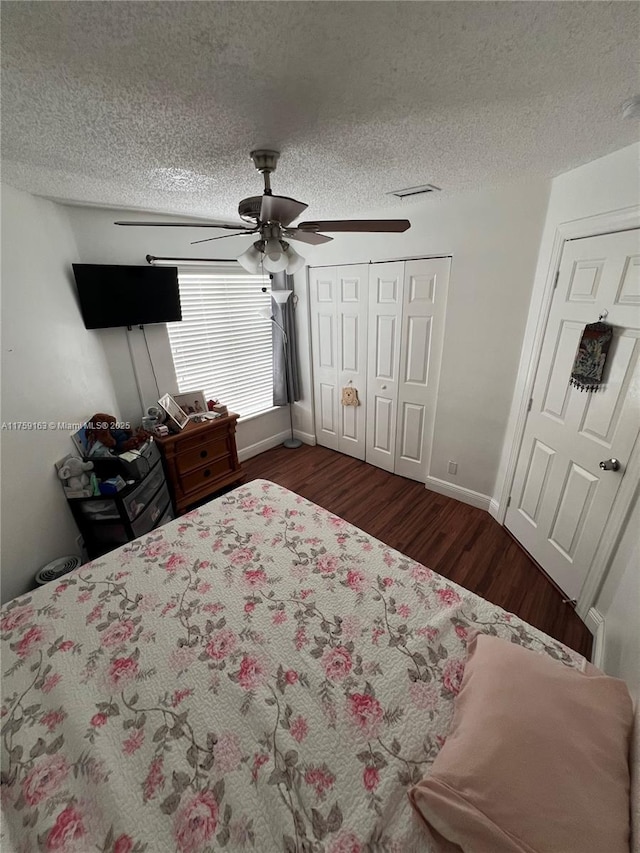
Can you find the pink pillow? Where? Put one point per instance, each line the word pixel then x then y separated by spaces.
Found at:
pixel 536 760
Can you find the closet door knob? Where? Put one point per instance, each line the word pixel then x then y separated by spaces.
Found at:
pixel 384 387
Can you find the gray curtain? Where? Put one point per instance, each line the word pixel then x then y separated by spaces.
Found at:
pixel 286 373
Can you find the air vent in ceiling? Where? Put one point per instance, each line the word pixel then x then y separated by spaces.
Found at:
pixel 411 191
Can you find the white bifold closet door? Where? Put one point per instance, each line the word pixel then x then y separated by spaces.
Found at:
pixel 339 343
pixel 379 327
pixel 386 289
pixel 425 299
pixel 407 302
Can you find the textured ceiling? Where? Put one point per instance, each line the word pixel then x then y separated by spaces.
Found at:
pixel 155 105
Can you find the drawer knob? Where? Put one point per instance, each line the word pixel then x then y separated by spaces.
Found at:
pixel 206 472
pixel 204 454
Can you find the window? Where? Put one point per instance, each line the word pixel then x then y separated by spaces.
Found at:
pixel 223 345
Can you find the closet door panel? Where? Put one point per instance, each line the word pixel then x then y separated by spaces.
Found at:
pixel 386 285
pixel 417 351
pixel 326 410
pixel 350 431
pixel 326 341
pixel 411 432
pixel 386 335
pixel 383 431
pixel 351 318
pixel 324 345
pixel 349 344
pixel 425 289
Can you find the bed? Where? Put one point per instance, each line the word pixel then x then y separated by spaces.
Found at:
pixel 258 674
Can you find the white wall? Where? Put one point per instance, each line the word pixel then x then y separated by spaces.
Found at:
pixel 99 241
pixel 493 237
pixel 619 603
pixel 53 369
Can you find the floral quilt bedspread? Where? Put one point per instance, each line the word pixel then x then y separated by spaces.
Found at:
pixel 257 675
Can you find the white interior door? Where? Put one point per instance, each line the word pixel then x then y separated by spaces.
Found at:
pixel 386 290
pixel 561 498
pixel 324 345
pixel 425 293
pixel 338 302
pixel 351 320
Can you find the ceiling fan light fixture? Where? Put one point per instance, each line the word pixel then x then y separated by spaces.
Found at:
pixel 278 264
pixel 273 249
pixel 251 259
pixel 296 261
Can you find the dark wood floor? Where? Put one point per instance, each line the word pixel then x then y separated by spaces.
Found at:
pixel 459 541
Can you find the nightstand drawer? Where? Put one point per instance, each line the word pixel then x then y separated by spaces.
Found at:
pixel 199 455
pixel 187 442
pixel 196 479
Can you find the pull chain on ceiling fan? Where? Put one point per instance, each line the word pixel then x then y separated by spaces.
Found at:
pixel 271 216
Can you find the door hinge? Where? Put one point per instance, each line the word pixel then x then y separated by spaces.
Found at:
pixel 530 404
pixel 555 283
pixel 508 501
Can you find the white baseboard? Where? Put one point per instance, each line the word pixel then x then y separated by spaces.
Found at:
pixel 458 493
pixel 595 623
pixel 306 437
pixel 273 441
pixel 494 509
pixel 261 446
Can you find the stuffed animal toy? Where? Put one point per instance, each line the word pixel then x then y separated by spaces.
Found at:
pixel 350 396
pixel 74 476
pixel 102 428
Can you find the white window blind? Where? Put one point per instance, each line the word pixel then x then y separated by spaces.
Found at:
pixel 222 344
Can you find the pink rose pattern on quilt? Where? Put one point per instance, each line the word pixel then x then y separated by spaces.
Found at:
pixel 257 675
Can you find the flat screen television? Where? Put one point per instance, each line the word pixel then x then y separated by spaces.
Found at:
pixel 113 295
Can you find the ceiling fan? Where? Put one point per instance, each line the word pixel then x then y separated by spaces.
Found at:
pixel 271 216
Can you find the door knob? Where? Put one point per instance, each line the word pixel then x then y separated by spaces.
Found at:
pixel 610 465
pixel 383 387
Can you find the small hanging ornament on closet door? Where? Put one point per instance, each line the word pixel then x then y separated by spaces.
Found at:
pixel 350 396
pixel 588 366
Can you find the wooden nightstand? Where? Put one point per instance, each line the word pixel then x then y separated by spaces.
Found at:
pixel 200 460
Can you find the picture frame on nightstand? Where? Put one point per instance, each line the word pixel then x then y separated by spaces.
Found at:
pixel 191 402
pixel 177 416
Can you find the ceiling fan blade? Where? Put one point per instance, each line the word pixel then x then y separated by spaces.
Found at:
pixel 354 225
pixel 183 225
pixel 280 208
pixel 306 236
pixel 224 236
